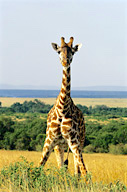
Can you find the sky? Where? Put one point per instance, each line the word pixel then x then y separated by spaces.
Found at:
pixel 28 27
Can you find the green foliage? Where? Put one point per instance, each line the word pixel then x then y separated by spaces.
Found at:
pixel 104 111
pixel 84 109
pixel 29 132
pixel 24 135
pixel 23 176
pixel 27 106
pixel 89 149
pixel 101 136
pixel 31 106
pixel 118 149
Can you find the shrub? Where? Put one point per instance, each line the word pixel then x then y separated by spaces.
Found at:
pixel 100 150
pixel 89 149
pixel 118 149
pixel 125 149
pixel 38 147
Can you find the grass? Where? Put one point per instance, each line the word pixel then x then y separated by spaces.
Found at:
pixel 6 101
pixel 24 176
pixel 104 168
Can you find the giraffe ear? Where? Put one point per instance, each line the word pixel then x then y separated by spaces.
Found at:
pixel 55 46
pixel 76 48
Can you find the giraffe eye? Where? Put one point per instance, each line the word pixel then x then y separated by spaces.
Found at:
pixel 58 52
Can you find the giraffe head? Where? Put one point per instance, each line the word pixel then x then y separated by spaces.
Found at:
pixel 66 51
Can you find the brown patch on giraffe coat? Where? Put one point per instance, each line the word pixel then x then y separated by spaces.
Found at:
pixel 64 82
pixel 53 124
pixel 62 91
pixel 59 115
pixel 57 131
pixel 64 73
pixel 48 141
pixel 74 142
pixel 50 134
pixel 59 107
pixel 63 98
pixel 66 136
pixel 68 123
pixel 82 168
pixel 45 148
pixel 64 130
pixel 54 116
pixel 61 101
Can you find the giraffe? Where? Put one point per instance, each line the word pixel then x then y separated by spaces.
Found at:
pixel 65 122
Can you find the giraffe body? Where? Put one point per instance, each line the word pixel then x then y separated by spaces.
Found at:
pixel 65 122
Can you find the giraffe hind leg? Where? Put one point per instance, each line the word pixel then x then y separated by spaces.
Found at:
pixel 76 166
pixel 66 161
pixel 80 169
pixel 78 158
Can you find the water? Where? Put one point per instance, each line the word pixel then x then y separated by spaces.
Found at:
pixel 54 93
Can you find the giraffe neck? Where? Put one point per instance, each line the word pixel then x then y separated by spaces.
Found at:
pixel 66 84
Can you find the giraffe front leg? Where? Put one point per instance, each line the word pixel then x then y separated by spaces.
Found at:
pixel 47 149
pixel 52 135
pixel 59 152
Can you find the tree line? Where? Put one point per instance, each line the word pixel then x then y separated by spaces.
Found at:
pixel 41 107
pixel 29 133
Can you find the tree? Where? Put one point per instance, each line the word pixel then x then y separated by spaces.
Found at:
pixel 103 141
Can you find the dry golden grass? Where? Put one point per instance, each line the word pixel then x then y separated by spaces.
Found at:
pixel 104 167
pixel 6 101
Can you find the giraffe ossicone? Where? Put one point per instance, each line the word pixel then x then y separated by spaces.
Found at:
pixel 65 122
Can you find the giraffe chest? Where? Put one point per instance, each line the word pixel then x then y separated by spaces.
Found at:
pixel 64 122
pixel 67 116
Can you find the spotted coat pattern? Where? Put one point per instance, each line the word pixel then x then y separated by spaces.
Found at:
pixel 65 122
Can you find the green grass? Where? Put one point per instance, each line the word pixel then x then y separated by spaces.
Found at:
pixel 25 177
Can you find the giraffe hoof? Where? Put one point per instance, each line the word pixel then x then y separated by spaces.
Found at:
pixel 66 163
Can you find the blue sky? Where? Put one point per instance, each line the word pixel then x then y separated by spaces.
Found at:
pixel 27 28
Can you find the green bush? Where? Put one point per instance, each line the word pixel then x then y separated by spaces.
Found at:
pixel 89 149
pixel 119 149
pixel 100 150
pixel 23 176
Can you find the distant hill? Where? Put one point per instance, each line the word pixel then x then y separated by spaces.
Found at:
pixel 102 88
pixel 89 88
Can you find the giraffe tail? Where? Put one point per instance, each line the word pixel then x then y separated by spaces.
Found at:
pixel 66 161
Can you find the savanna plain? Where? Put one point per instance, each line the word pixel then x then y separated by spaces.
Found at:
pixel 20 170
